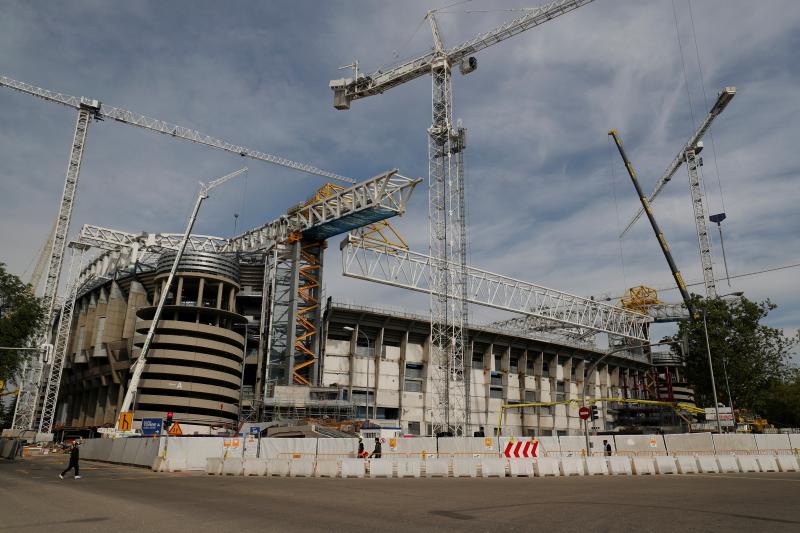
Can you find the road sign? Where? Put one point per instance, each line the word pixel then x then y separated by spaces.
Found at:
pixel 175 430
pixel 725 416
pixel 255 430
pixel 151 426
pixel 584 413
pixel 520 449
pixel 125 421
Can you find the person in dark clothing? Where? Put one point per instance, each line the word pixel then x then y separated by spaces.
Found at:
pixel 479 433
pixel 607 448
pixel 376 453
pixel 74 456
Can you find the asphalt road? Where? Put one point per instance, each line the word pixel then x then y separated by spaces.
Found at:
pixel 117 498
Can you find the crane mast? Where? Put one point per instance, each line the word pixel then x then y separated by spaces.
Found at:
pixel 92 109
pixel 447 232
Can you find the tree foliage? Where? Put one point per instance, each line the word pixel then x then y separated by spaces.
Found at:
pixel 755 356
pixel 21 315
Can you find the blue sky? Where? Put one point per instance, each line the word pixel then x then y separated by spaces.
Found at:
pixel 546 192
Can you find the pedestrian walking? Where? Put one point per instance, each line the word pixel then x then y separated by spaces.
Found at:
pixel 362 453
pixel 376 453
pixel 607 448
pixel 74 457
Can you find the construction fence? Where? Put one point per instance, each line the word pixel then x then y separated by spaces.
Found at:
pixel 194 453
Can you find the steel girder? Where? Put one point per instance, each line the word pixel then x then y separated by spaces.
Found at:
pixel 411 270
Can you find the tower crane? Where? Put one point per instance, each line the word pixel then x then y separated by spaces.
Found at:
pixel 446 195
pixel 89 109
pixel 688 153
pixel 138 367
pixel 662 242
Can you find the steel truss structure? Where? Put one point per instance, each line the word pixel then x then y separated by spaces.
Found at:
pixel 448 309
pixel 411 270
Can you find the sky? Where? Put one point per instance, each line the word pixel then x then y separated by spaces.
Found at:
pixel 546 191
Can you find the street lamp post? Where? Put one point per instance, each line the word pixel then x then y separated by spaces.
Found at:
pixel 366 395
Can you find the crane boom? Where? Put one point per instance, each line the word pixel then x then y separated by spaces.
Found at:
pixel 346 90
pixel 659 234
pixel 166 128
pixel 724 97
pixel 138 367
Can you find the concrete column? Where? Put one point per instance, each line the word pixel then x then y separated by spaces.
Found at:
pixel 219 295
pixel 232 299
pixel 179 291
pixel 200 286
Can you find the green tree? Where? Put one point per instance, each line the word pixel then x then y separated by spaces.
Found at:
pixel 755 356
pixel 782 404
pixel 21 315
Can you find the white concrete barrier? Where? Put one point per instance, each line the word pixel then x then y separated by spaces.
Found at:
pixel 520 467
pixel 301 467
pixel 772 443
pixel 733 443
pixel 493 467
pixel 289 448
pixel 408 467
pixel 464 467
pixel 381 468
pixel 643 466
pixel 148 450
pixel 767 463
pixel 727 463
pixel 213 466
pixel 619 465
pixel 327 468
pixel 437 467
pixel 467 446
pixel 353 467
pixel 687 464
pixel 787 463
pixel 572 466
pixel 232 466
pixel 132 447
pixel 190 453
pixel 638 444
pixel 596 466
pixel 254 467
pixel 708 464
pixel 575 446
pixel 747 463
pixel 411 447
pixel 689 443
pixel 338 448
pixel 278 467
pixel 794 441
pixel 546 466
pixel 665 464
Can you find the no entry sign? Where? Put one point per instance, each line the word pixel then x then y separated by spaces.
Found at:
pixel 584 413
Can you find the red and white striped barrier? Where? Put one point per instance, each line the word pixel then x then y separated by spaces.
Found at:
pixel 520 449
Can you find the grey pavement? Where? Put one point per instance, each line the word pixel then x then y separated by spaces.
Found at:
pixel 119 498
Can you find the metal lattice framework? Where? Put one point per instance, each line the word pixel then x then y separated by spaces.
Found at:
pixel 159 126
pixel 410 270
pixel 61 343
pixel 446 196
pixel 688 153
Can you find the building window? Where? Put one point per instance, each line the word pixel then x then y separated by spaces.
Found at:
pixel 477 360
pixel 496 392
pixel 545 369
pixel 513 364
pixel 413 428
pixel 414 371
pixel 496 379
pixel 498 362
pixel 546 410
pixel 530 396
pixel 412 385
pixel 529 363
pixel 560 391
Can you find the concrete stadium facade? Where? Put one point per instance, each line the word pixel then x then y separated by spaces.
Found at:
pixel 208 365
